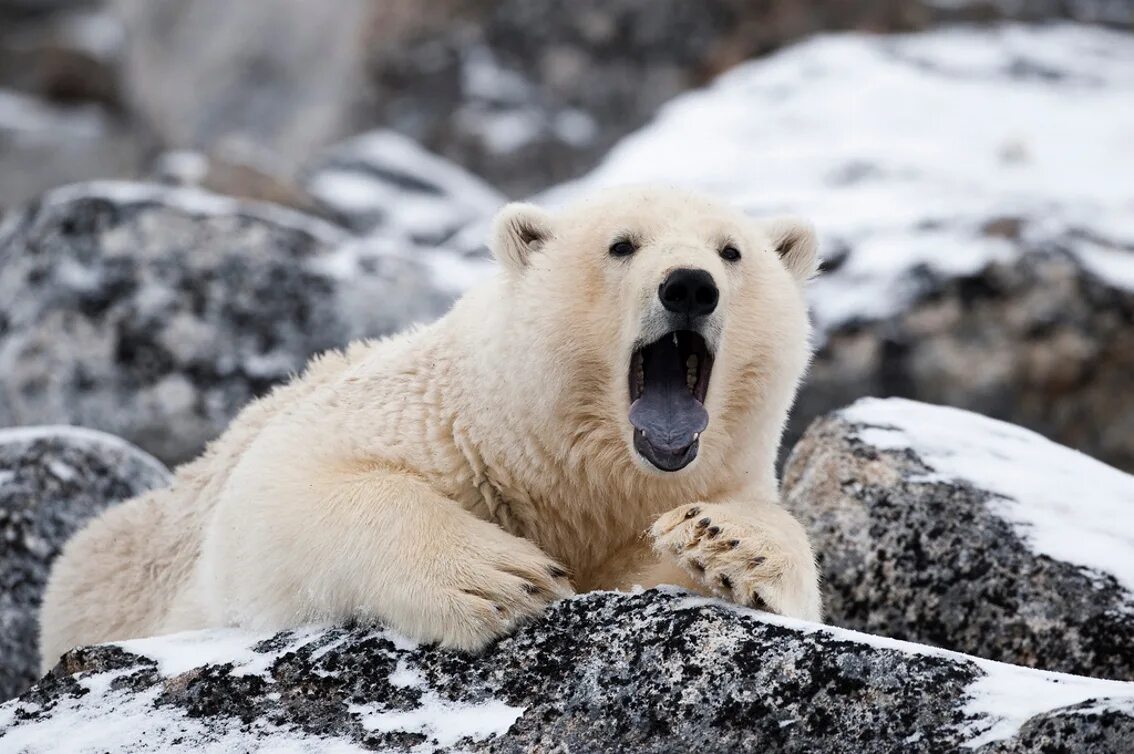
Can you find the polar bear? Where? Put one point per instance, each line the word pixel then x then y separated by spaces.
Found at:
pixel 604 413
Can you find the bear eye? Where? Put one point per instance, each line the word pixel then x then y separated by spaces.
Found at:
pixel 730 253
pixel 622 248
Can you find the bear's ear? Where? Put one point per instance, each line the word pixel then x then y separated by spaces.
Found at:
pixel 519 230
pixel 794 240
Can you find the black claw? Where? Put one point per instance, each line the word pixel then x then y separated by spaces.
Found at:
pixel 705 521
pixel 758 560
pixel 531 588
pixel 733 544
pixel 726 582
pixel 692 512
pixel 697 566
pixel 714 531
pixel 557 572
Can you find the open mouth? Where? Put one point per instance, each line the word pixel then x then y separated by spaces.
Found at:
pixel 668 382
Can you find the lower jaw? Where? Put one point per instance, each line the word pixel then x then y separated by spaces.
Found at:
pixel 663 460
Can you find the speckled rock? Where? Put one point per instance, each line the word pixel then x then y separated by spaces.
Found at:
pixel 157 313
pixel 649 672
pixel 941 526
pixel 52 481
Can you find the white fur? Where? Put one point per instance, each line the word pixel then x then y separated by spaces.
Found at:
pixel 437 480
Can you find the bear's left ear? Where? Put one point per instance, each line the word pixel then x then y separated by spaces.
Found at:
pixel 519 230
pixel 794 240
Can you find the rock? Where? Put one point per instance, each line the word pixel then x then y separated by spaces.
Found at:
pixel 52 481
pixel 983 272
pixel 382 179
pixel 941 526
pixel 653 671
pixel 1043 340
pixel 157 313
pixel 523 96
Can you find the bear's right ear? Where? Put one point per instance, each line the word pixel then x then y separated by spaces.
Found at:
pixel 519 230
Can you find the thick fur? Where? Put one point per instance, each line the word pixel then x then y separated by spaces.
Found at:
pixel 454 479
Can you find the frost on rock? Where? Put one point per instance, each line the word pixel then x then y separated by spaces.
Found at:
pixel 654 671
pixel 942 526
pixel 157 313
pixel 382 179
pixel 52 481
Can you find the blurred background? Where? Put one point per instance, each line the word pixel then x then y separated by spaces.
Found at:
pixel 198 195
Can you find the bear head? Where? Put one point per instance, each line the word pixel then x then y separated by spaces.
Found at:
pixel 666 319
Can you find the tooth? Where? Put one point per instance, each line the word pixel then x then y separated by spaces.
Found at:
pixel 696 436
pixel 691 372
pixel 674 338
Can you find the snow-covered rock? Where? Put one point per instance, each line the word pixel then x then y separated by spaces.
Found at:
pixel 157 313
pixel 942 526
pixel 383 179
pixel 655 671
pixel 954 176
pixel 52 481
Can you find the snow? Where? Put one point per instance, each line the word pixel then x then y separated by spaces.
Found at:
pixel 79 436
pixel 180 652
pixel 445 722
pixel 109 719
pixel 413 192
pixel 122 718
pixel 1064 504
pixel 903 148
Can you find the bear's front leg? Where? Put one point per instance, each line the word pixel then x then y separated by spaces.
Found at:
pixel 754 554
pixel 373 546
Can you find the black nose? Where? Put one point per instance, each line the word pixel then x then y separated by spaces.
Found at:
pixel 689 292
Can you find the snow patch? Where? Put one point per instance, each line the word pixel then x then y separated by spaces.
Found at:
pixel 1008 696
pixel 1064 504
pixel 903 148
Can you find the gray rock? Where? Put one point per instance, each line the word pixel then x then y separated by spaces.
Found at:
pixel 52 481
pixel 944 527
pixel 1040 340
pixel 382 180
pixel 157 313
pixel 520 94
pixel 648 672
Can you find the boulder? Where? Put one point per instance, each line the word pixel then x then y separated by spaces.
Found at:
pixel 521 95
pixel 944 527
pixel 383 180
pixel 985 271
pixel 157 313
pixel 1043 340
pixel 656 671
pixel 52 481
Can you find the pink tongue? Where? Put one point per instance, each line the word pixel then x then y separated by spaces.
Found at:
pixel 667 413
